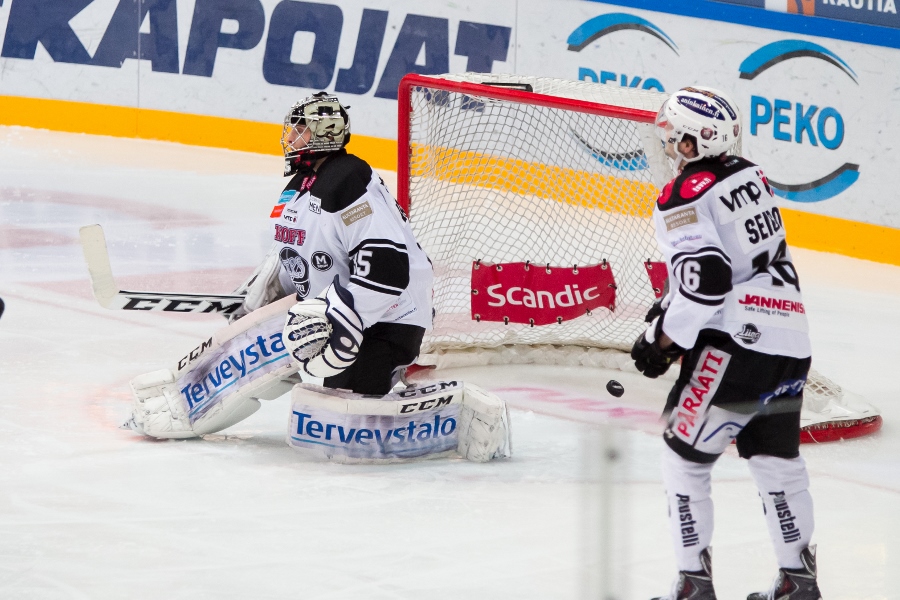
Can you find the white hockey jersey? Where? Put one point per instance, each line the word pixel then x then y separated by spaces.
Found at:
pixel 342 221
pixel 730 269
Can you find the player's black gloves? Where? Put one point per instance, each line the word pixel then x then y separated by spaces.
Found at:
pixel 651 360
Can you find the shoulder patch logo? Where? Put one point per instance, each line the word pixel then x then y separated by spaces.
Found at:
pixel 356 213
pixel 298 269
pixel 666 193
pixel 322 261
pixel 680 218
pixel 694 185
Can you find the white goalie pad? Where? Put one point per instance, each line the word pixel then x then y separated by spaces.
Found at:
pixel 434 420
pixel 218 383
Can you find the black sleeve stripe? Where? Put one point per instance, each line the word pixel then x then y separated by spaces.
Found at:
pixel 704 250
pixel 381 243
pixel 700 299
pixel 383 289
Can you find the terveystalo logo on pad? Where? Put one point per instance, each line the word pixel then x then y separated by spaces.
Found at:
pixel 234 364
pixel 361 436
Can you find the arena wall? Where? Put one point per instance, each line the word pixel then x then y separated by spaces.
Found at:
pixel 816 80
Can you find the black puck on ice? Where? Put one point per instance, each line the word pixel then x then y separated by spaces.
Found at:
pixel 615 388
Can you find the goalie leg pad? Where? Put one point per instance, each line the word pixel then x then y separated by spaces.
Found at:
pixel 484 432
pixel 413 424
pixel 217 384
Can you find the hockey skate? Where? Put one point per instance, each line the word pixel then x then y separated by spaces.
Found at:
pixel 694 585
pixel 794 584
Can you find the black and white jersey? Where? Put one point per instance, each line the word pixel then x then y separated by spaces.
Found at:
pixel 730 268
pixel 341 220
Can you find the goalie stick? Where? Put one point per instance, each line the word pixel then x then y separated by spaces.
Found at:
pixel 108 294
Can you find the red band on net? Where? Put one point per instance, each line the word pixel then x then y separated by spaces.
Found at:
pixel 539 295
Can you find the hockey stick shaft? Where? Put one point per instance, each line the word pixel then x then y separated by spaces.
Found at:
pixel 108 294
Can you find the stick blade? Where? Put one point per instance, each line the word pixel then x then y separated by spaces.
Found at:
pixel 93 244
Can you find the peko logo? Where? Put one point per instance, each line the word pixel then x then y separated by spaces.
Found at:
pixel 422 44
pixel 603 25
pixel 237 363
pixel 797 122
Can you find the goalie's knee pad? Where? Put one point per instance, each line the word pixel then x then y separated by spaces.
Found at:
pixel 218 383
pixel 429 421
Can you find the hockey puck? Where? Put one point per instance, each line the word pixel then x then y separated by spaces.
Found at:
pixel 615 388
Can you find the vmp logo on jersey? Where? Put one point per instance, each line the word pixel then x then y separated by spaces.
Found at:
pixel 818 129
pixel 297 267
pixel 589 33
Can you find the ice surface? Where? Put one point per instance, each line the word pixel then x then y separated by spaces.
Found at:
pixel 91 511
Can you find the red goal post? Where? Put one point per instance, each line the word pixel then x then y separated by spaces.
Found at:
pixel 502 172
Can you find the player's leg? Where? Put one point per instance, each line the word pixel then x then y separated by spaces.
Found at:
pixel 385 348
pixel 707 408
pixel 771 443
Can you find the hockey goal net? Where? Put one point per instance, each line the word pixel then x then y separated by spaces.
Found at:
pixel 531 194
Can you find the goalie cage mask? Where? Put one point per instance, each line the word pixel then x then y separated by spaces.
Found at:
pixel 328 126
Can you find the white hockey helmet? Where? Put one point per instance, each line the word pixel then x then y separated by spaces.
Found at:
pixel 707 115
pixel 313 128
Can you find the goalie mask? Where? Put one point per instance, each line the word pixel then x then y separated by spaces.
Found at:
pixel 313 128
pixel 707 115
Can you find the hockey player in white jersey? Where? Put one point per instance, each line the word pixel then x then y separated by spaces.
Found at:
pixel 735 316
pixel 344 296
pixel 339 234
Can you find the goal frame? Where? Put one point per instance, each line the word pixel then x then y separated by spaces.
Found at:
pixel 495 92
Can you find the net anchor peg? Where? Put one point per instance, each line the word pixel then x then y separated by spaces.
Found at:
pixel 477 264
pixel 548 268
pixel 560 319
pixel 575 270
pixel 527 265
pixel 531 322
pixel 506 320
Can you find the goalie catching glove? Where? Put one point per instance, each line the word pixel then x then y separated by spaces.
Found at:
pixel 323 335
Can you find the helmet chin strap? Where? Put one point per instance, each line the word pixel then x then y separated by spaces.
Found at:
pixel 681 161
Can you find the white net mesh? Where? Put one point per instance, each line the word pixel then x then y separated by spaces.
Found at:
pixel 508 181
pixel 499 181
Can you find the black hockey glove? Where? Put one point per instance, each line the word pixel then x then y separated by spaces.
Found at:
pixel 649 358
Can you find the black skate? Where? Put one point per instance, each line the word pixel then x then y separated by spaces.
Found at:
pixel 694 585
pixel 794 584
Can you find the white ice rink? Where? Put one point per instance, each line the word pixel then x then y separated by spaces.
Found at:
pixel 88 510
